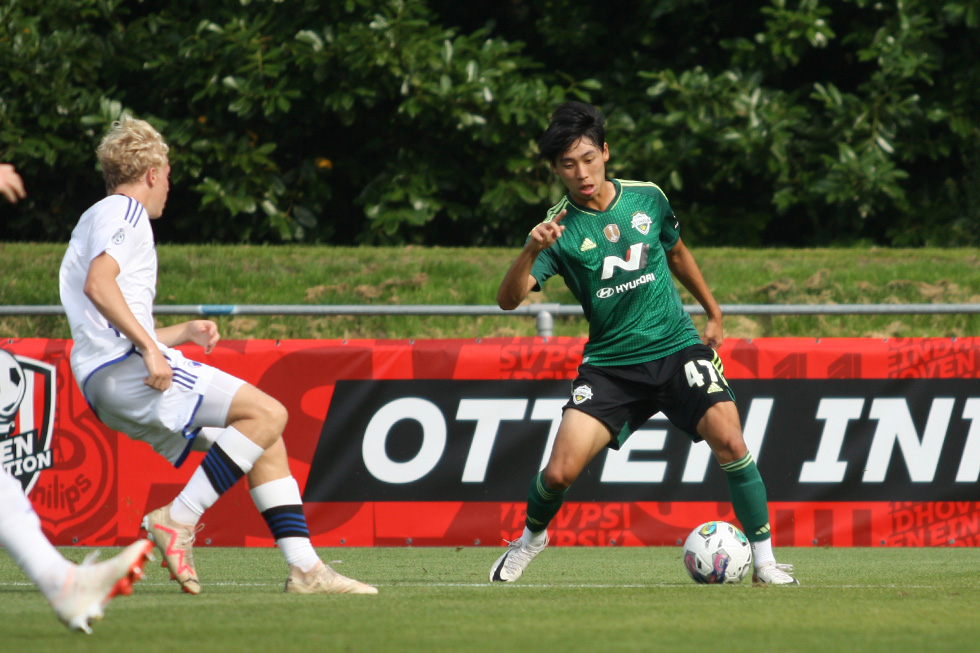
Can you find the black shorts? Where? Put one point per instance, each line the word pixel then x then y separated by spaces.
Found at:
pixel 683 385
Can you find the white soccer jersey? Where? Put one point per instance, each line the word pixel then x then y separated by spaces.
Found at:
pixel 119 226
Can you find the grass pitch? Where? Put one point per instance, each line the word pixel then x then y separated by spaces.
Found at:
pixel 571 599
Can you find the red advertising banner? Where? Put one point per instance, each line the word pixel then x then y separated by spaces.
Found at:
pixel 861 442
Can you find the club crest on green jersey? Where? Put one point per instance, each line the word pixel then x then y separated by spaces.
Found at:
pixel 581 394
pixel 641 222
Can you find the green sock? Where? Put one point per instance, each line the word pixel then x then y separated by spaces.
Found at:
pixel 748 494
pixel 542 504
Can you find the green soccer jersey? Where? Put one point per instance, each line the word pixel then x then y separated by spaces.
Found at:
pixel 615 264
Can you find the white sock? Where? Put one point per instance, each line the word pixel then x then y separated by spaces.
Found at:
pixel 22 537
pixel 534 539
pixel 762 552
pixel 298 551
pixel 182 513
pixel 200 493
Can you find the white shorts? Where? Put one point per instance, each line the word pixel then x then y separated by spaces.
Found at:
pixel 172 422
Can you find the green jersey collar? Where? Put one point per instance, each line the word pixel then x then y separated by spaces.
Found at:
pixel 612 204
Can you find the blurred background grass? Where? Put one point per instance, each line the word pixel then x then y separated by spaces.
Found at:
pixel 308 275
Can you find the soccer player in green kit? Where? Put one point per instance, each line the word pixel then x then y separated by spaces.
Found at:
pixel 616 243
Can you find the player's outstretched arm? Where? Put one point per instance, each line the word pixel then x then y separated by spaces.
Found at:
pixel 200 332
pixel 686 270
pixel 518 282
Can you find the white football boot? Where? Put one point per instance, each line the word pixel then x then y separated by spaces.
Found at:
pixel 90 586
pixel 511 565
pixel 322 579
pixel 773 573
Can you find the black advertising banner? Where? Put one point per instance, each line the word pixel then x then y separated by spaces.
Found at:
pixel 814 440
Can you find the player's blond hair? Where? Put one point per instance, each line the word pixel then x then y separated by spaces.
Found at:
pixel 128 150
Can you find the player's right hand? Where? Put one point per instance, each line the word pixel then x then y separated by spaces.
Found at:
pixel 160 373
pixel 713 334
pixel 545 234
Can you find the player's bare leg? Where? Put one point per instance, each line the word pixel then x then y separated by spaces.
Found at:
pixel 580 437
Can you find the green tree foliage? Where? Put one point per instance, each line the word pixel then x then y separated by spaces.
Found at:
pixel 794 122
pixel 354 121
pixel 800 122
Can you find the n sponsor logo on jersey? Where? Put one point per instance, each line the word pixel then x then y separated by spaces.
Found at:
pixel 27 398
pixel 587 244
pixel 611 232
pixel 118 237
pixel 636 259
pixel 581 394
pixel 641 222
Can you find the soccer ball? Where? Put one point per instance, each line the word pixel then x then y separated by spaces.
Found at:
pixel 12 386
pixel 717 552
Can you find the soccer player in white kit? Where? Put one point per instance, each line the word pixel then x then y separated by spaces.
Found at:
pixel 77 593
pixel 138 384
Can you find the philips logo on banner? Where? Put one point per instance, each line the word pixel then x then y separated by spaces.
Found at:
pixel 837 440
pixel 27 401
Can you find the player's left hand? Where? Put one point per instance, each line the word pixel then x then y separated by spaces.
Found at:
pixel 713 334
pixel 203 333
pixel 11 185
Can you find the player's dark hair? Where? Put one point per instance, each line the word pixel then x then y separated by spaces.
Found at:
pixel 570 122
